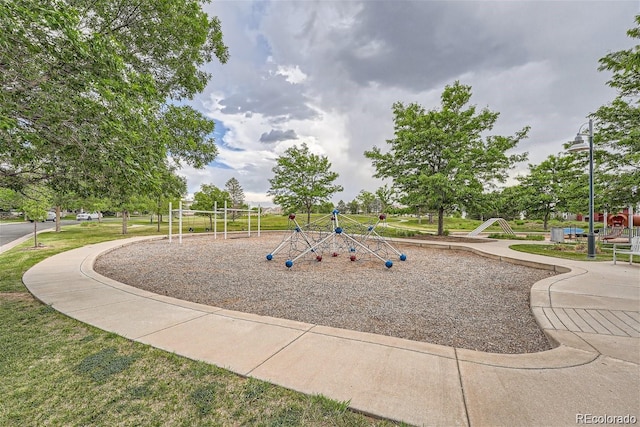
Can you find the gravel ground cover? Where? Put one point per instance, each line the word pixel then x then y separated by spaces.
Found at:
pixel 447 297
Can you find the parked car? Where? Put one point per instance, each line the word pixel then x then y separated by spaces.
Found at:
pixel 86 216
pixel 51 216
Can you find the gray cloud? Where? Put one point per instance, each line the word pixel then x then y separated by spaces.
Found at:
pixel 417 45
pixel 278 135
pixel 271 97
pixel 534 62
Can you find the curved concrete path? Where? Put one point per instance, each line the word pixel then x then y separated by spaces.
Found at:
pixel 592 313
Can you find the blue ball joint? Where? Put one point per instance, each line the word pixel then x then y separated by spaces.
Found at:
pixel 269 257
pixel 403 257
pixel 289 263
pixel 388 264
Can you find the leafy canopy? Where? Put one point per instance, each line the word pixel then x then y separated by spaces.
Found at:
pixel 209 197
pixel 235 191
pixel 618 134
pixel 555 185
pixel 302 179
pixel 86 90
pixel 440 159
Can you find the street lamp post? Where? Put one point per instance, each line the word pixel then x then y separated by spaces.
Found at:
pixel 580 145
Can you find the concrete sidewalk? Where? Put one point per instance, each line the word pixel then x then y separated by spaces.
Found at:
pixel 592 313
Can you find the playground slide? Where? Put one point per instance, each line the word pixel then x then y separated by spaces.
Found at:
pixel 613 234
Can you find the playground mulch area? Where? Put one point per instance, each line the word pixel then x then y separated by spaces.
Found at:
pixel 449 297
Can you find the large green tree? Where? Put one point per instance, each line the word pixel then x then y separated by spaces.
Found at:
pixel 439 159
pixel 353 207
pixel 236 193
pixel 618 125
pixel 385 194
pixel 87 90
pixel 173 188
pixel 367 201
pixel 507 203
pixel 302 179
pixel 556 185
pixel 208 198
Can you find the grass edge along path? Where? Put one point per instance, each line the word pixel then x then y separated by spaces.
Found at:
pixel 58 371
pixel 576 252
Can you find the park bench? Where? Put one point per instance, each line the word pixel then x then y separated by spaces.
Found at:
pixel 634 250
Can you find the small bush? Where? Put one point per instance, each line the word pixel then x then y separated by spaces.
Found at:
pixel 539 237
pixel 405 233
pixel 578 248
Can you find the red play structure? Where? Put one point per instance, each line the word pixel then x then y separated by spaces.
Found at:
pixel 622 220
pixel 614 220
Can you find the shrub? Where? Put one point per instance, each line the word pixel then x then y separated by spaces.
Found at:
pixel 539 237
pixel 515 237
pixel 405 233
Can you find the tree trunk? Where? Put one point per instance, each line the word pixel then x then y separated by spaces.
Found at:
pixel 159 214
pixel 546 220
pixel 35 234
pixel 440 221
pixel 124 221
pixel 57 219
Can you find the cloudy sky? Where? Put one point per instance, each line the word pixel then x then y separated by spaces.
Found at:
pixel 327 73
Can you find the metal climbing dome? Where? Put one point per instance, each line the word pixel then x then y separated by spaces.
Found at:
pixel 334 235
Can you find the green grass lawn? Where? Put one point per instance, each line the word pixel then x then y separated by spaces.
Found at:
pixel 575 251
pixel 58 371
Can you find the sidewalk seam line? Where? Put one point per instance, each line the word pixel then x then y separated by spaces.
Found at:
pixel 304 332
pixel 587 311
pixel 391 346
pixel 544 313
pixel 464 396
pixel 595 350
pixel 623 320
pixel 586 323
pixel 227 316
pixel 626 312
pixel 539 368
pixel 169 327
pixel 595 311
pixel 89 308
pixel 559 319
pixel 601 311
